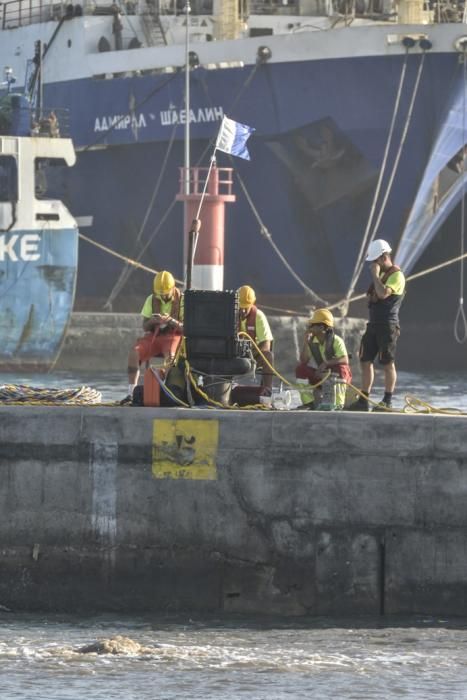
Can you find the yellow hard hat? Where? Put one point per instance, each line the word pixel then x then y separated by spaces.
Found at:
pixel 163 282
pixel 323 316
pixel 246 296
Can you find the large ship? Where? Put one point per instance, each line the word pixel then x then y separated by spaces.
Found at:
pixel 350 100
pixel 38 245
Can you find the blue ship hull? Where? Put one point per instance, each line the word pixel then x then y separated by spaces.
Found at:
pixel 315 202
pixel 37 299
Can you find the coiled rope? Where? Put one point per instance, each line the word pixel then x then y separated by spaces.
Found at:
pixel 21 394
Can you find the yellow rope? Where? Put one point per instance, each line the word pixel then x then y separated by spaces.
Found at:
pixel 20 394
pixel 415 405
pixel 164 387
pixel 257 406
pixel 412 405
pixel 274 370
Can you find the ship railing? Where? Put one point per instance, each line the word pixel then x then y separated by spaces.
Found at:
pixel 432 10
pixel 220 180
pixel 321 8
pixel 273 7
pixel 18 13
pixel 447 12
pixel 172 7
pixel 51 123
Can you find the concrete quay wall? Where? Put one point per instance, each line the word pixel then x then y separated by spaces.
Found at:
pixel 297 513
pixel 100 341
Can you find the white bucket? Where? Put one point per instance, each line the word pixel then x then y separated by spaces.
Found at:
pixel 281 401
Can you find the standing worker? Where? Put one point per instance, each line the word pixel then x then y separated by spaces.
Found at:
pixel 254 322
pixel 322 351
pixel 385 296
pixel 162 314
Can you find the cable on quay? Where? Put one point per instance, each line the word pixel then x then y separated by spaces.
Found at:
pixel 24 395
pixel 412 403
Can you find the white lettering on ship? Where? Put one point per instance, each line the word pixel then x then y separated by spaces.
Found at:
pixel 120 121
pixel 203 114
pixel 26 249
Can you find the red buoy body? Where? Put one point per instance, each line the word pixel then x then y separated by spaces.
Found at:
pixel 208 264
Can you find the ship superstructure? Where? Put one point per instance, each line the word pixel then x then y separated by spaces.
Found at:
pixel 337 92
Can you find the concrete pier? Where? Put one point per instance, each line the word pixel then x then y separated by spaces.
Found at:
pixel 100 341
pixel 131 509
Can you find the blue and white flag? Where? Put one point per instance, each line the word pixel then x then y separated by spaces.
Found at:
pixel 232 138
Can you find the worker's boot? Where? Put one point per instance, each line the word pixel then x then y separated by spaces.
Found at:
pixel 361 404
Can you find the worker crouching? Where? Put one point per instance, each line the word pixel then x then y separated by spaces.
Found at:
pixel 323 351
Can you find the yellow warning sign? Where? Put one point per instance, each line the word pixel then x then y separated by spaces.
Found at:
pixel 185 449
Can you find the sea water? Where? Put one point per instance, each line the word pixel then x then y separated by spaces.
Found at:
pixel 227 659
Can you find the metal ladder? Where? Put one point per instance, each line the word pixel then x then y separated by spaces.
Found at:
pixel 152 27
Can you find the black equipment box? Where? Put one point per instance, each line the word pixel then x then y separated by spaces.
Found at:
pixel 225 348
pixel 210 314
pixel 210 346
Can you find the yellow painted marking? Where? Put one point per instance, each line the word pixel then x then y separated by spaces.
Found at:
pixel 185 449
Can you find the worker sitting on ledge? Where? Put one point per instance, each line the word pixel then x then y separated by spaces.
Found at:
pixel 162 314
pixel 322 351
pixel 254 322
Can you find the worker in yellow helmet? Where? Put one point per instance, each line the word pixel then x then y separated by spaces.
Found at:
pixel 254 322
pixel 323 350
pixel 162 315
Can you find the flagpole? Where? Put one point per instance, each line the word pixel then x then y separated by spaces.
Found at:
pixel 196 235
pixel 203 194
pixel 212 162
pixel 192 236
pixel 187 98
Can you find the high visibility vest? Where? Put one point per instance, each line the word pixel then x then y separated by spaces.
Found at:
pixel 175 304
pixel 251 323
pixel 384 310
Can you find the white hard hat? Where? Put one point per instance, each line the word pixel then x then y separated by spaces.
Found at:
pixel 377 248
